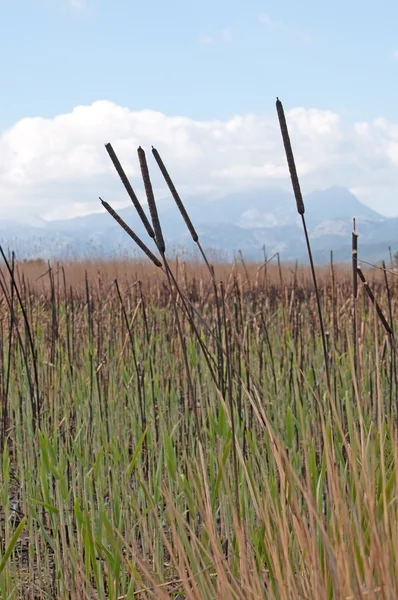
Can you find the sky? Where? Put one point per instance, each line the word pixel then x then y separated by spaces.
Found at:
pixel 198 80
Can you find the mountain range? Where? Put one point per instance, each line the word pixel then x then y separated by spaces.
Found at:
pixel 250 222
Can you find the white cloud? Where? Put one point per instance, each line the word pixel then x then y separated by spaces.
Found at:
pixel 63 7
pixel 301 35
pixel 224 36
pixel 58 167
pixel 77 4
pixel 266 20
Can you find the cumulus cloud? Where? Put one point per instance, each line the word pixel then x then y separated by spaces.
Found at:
pixel 58 167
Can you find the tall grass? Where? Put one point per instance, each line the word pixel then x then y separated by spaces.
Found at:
pixel 119 499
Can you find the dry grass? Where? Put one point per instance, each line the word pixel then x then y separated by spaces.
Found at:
pixel 130 271
pixel 130 493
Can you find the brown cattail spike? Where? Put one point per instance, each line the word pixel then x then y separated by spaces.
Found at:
pixel 151 201
pixel 175 195
pixel 290 157
pixel 129 190
pixel 370 294
pixel 301 211
pixel 354 245
pixel 131 233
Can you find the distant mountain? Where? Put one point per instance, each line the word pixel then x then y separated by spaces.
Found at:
pixel 336 203
pixel 245 222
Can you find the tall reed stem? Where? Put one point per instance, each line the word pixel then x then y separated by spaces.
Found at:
pixel 355 295
pixel 301 210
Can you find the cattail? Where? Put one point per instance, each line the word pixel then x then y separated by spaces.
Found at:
pixel 354 260
pixel 151 201
pixel 129 190
pixel 369 292
pixel 354 245
pixel 175 195
pixel 131 233
pixel 301 211
pixel 290 157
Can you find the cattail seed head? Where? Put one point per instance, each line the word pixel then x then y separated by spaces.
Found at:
pixel 354 245
pixel 151 201
pixel 372 298
pixel 175 195
pixel 131 233
pixel 129 190
pixel 290 157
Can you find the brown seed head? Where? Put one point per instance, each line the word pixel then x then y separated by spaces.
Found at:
pixel 290 157
pixel 151 201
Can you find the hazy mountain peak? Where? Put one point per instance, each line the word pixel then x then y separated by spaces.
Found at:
pixel 336 203
pixel 240 221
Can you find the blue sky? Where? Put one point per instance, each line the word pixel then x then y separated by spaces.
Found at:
pixel 56 54
pixel 198 79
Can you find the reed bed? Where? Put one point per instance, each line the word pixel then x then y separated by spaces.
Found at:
pixel 120 496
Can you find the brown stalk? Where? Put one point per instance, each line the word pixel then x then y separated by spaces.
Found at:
pixel 151 201
pixel 131 233
pixel 355 294
pixel 370 294
pixel 181 208
pixel 129 190
pixel 231 402
pixel 170 278
pixel 301 210
pixel 167 270
pixel 393 362
pixel 195 238
pixel 175 195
